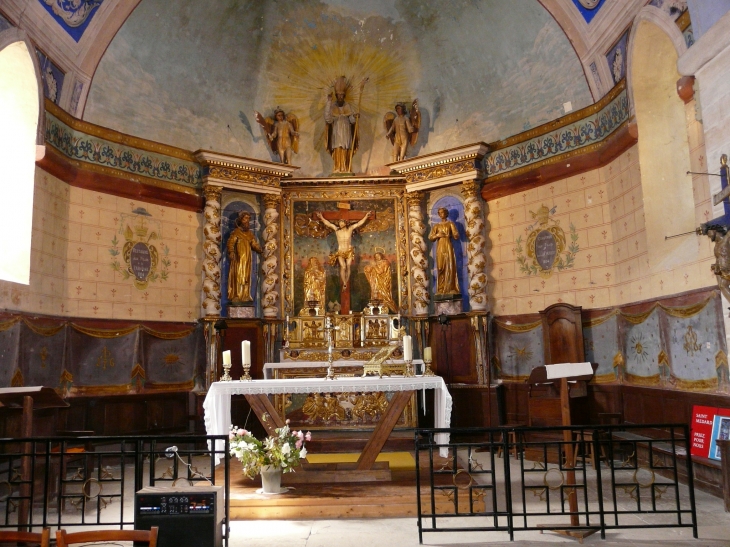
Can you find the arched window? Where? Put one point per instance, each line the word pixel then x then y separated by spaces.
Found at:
pixel 19 112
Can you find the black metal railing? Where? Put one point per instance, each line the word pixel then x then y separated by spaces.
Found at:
pixel 63 482
pixel 575 480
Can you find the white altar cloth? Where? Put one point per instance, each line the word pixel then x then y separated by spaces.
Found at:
pixel 217 404
pixel 269 368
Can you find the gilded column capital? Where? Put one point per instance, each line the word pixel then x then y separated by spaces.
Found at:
pixel 212 192
pixel 271 201
pixel 414 198
pixel 471 188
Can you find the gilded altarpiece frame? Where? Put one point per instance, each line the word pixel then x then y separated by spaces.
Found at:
pixel 387 231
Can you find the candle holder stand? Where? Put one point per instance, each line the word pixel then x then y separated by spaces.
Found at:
pixel 226 373
pixel 409 369
pixel 246 376
pixel 427 368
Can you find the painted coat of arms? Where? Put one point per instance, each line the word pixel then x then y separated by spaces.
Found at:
pixel 138 257
pixel 546 247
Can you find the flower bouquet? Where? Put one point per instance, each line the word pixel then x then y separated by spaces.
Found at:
pixel 280 451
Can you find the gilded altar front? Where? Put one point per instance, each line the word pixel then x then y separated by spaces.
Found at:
pixel 316 411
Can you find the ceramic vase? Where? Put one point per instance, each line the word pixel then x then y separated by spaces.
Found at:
pixel 271 479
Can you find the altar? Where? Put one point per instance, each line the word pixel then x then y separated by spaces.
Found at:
pixel 217 404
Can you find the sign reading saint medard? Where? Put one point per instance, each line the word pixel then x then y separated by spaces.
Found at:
pixel 140 260
pixel 546 246
pixel 546 249
pixel 139 257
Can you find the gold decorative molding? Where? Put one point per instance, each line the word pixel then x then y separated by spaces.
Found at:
pixel 239 173
pixel 355 180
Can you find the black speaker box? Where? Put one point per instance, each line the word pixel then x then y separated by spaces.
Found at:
pixel 186 516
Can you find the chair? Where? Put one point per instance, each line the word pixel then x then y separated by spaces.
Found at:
pixel 43 539
pixel 512 439
pixel 63 538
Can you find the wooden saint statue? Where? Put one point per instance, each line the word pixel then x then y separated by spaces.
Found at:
pixel 241 245
pixel 378 275
pixel 447 281
pixel 401 128
pixel 282 133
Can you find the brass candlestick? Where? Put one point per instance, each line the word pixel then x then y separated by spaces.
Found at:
pixel 409 369
pixel 246 376
pixel 226 373
pixel 427 368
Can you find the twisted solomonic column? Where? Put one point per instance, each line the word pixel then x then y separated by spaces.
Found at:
pixel 419 261
pixel 269 267
pixel 475 246
pixel 212 250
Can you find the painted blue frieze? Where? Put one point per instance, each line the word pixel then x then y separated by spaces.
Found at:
pixel 52 77
pixel 74 16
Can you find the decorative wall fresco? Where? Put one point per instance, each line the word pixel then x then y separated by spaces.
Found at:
pixel 135 253
pixel 82 359
pixel 105 153
pixel 71 272
pixel 74 16
pixel 668 344
pixel 617 57
pixel 546 246
pixel 477 76
pixel 588 8
pixel 583 132
pixel 52 77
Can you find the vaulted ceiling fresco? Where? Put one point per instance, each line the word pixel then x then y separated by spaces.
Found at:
pixel 192 73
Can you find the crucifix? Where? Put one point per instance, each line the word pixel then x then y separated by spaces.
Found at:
pixel 345 253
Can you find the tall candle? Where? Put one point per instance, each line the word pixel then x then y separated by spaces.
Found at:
pixel 427 353
pixel 227 357
pixel 246 352
pixel 407 348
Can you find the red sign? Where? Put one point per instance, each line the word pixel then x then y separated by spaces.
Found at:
pixel 702 420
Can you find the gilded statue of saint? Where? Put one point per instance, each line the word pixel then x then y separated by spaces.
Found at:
pixel 240 245
pixel 282 134
pixel 314 282
pixel 402 128
pixel 340 118
pixel 345 252
pixel 442 233
pixel 378 275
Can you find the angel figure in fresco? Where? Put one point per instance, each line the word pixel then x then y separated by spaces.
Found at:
pixel 401 128
pixel 282 134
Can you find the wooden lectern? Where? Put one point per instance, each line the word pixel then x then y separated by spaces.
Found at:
pixel 572 378
pixel 29 399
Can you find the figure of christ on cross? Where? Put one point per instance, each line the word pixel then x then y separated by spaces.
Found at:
pixel 345 253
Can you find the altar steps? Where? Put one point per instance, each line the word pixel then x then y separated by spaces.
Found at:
pixel 323 500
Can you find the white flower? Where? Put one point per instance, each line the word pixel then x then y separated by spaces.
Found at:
pixel 303 453
pixel 286 449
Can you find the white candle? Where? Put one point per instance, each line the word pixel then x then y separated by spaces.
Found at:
pixel 427 353
pixel 227 357
pixel 407 348
pixel 246 352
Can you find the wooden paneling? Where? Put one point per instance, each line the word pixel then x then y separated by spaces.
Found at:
pixel 453 350
pixel 562 332
pixel 472 406
pixel 239 330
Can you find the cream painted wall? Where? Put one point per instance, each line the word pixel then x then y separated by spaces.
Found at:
pixel 607 208
pixel 71 273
